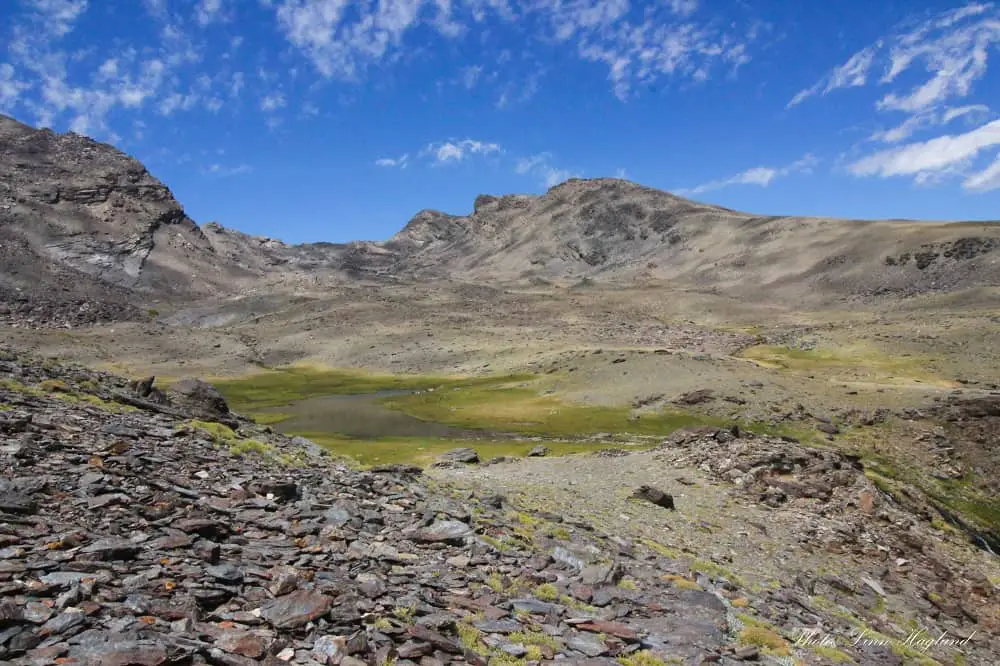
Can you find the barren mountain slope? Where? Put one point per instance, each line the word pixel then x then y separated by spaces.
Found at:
pixel 81 222
pixel 87 234
pixel 614 229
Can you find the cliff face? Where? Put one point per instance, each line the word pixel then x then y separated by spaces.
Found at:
pixel 87 233
pixel 89 207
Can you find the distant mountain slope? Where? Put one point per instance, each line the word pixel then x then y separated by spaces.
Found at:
pixel 617 230
pixel 87 234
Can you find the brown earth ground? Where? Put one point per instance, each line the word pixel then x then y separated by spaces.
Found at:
pixel 643 347
pixel 599 344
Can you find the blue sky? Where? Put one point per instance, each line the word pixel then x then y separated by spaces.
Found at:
pixel 334 120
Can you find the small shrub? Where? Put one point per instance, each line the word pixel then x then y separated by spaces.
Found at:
pixel 763 637
pixel 55 386
pixel 641 658
pixel 245 446
pixel 546 592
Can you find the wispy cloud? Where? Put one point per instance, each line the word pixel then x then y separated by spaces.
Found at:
pixel 209 11
pixel 49 79
pixel 455 151
pixel 540 166
pixel 851 74
pixel 343 39
pixel 761 176
pixel 952 48
pixel 223 171
pixel 272 102
pixel 985 180
pixel 942 57
pixel 390 162
pixel 10 87
pixel 470 76
pixel 929 161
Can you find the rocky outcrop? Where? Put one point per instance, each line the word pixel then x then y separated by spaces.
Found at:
pixel 137 536
pixel 83 223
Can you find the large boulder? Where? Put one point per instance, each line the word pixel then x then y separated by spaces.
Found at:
pixel 200 399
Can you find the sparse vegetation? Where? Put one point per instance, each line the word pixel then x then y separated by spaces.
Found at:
pixel 763 637
pixel 641 658
pixel 505 408
pixel 546 592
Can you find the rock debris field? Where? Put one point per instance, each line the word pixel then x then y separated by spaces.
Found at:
pixel 133 533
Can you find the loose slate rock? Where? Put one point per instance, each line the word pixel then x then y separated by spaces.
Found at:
pixel 199 398
pixel 444 531
pixel 296 609
pixel 654 495
pixel 463 455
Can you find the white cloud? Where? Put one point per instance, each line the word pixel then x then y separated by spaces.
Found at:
pixel 526 164
pixel 340 43
pixel 10 87
pixel 904 130
pixel 851 74
pixel 954 113
pixel 389 162
pixel 759 176
pixel 223 171
pixel 341 39
pixel 209 11
pixel 683 7
pixel 953 48
pixel 541 167
pixel 456 151
pixel 470 75
pixel 931 118
pixel 273 102
pixel 943 155
pixel 58 16
pixel 987 179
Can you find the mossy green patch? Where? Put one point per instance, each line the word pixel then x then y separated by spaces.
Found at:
pixel 424 451
pixel 641 658
pixel 279 387
pixel 536 638
pixel 243 447
pixel 217 432
pixel 270 418
pixel 847 363
pixel 546 592
pixel 524 410
pixel 764 637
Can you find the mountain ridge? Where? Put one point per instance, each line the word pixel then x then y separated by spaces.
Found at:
pixel 83 222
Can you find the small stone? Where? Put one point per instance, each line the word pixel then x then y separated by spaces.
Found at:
pixel 284 579
pixel 588 644
pixel 242 643
pixel 538 451
pixel 296 609
pixel 225 573
pixel 654 495
pixel 112 549
pixel 458 561
pixel 444 530
pixel 329 649
pixel 463 455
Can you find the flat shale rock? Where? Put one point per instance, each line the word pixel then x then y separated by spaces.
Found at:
pixel 146 544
